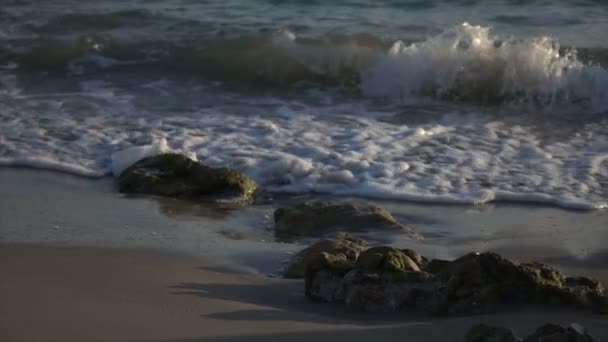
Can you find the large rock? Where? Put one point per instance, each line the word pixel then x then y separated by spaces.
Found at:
pixel 489 333
pixel 316 218
pixel 557 333
pixel 385 279
pixel 478 283
pixel 176 175
pixel 343 246
pixel 546 333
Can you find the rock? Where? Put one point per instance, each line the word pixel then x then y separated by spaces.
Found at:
pixel 385 279
pixel 387 291
pixel 546 333
pixel 585 293
pixel 324 286
pixel 436 265
pixel 176 175
pixel 315 218
pixel 420 260
pixel 386 259
pixel 557 333
pixel 343 246
pixel 370 292
pixel 478 283
pixel 489 333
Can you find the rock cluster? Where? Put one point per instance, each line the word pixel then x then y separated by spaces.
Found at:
pixel 176 175
pixel 546 333
pixel 386 279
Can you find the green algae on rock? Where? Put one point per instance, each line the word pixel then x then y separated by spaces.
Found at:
pixel 385 279
pixel 343 246
pixel 318 217
pixel 386 259
pixel 176 175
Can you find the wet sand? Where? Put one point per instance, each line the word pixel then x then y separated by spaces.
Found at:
pixel 93 294
pixel 79 262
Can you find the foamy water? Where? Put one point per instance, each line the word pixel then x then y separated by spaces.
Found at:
pixel 467 116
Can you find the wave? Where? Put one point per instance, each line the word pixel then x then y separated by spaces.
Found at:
pixel 469 63
pixel 464 63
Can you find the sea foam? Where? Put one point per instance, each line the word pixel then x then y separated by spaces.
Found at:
pixel 352 146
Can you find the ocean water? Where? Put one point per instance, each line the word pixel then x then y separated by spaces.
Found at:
pixel 462 102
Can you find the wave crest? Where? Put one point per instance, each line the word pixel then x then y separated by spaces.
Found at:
pixel 465 63
pixel 468 63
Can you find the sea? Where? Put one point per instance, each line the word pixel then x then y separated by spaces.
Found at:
pixel 449 102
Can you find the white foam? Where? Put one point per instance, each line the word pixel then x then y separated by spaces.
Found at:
pixel 464 63
pixel 468 161
pixel 469 62
pixel 344 148
pixel 125 158
pixel 51 164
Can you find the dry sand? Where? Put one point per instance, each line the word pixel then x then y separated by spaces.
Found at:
pixel 94 294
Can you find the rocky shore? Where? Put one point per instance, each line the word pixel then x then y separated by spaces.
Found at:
pixel 387 279
pixel 346 270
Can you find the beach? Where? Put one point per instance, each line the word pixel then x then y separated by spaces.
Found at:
pixel 166 166
pixel 147 288
pixel 92 294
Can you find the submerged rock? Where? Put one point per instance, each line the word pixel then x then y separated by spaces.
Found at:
pixel 342 247
pixel 385 279
pixel 489 333
pixel 176 175
pixel 316 218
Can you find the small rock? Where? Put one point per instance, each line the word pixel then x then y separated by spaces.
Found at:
pixel 316 218
pixel 489 333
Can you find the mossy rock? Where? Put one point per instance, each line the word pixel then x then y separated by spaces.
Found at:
pixel 342 249
pixel 388 279
pixel 176 175
pixel 317 218
pixel 542 275
pixel 386 259
pixel 486 282
pixel 420 260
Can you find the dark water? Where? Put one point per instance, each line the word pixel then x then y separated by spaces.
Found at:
pixel 432 101
pixel 233 39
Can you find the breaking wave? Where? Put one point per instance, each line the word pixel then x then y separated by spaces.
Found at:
pixel 464 63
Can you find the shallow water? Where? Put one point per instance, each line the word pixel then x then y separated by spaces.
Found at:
pixel 381 99
pixel 54 209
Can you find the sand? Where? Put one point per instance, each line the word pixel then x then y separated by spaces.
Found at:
pixel 94 294
pixel 79 262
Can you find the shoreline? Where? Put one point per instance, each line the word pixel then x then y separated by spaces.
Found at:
pixel 82 262
pixel 55 209
pixel 98 294
pixel 540 200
